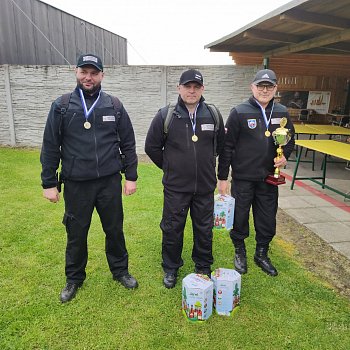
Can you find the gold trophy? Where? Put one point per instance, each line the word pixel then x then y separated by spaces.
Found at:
pixel 281 137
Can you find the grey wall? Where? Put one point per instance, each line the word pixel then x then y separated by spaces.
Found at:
pixel 26 94
pixel 33 32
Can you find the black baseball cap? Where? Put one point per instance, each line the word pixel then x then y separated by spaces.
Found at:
pixel 191 75
pixel 90 59
pixel 267 75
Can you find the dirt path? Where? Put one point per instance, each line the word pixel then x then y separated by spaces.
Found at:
pixel 315 254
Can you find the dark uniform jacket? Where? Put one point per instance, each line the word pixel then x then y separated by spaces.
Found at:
pixel 87 154
pixel 249 152
pixel 188 166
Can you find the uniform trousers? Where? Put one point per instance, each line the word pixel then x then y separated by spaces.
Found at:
pixel 175 210
pixel 263 199
pixel 81 197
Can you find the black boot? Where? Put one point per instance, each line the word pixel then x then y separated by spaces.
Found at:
pixel 240 260
pixel 169 279
pixel 263 261
pixel 69 291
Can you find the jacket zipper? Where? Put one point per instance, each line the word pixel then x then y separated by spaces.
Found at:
pixel 195 158
pixel 196 167
pixel 266 139
pixel 95 139
pixel 187 136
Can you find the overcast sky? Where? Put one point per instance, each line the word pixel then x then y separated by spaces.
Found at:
pixel 170 32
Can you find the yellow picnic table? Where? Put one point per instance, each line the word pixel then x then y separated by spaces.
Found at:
pixel 321 129
pixel 307 129
pixel 318 129
pixel 328 148
pixel 331 129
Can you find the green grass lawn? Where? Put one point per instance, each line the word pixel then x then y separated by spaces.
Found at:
pixel 296 310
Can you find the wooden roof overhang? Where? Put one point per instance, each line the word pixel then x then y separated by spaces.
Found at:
pixel 304 36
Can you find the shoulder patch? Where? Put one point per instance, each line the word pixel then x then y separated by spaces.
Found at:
pixel 251 123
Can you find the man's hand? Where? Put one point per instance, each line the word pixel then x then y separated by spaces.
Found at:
pixel 129 187
pixel 51 194
pixel 222 186
pixel 280 162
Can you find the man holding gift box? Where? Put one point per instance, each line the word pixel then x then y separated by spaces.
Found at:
pixel 250 150
pixel 186 154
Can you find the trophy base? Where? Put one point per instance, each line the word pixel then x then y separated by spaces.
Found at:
pixel 280 180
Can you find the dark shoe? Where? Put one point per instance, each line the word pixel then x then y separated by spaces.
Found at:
pixel 264 262
pixel 169 280
pixel 127 281
pixel 205 272
pixel 69 291
pixel 240 260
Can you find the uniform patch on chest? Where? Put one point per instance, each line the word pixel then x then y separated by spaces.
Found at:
pixel 251 123
pixel 108 118
pixel 207 127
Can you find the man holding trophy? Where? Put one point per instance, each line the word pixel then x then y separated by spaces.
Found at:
pixel 259 140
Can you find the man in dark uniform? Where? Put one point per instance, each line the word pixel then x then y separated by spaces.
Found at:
pixel 188 158
pixel 251 152
pixel 87 139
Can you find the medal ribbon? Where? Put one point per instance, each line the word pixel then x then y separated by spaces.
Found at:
pixel 86 111
pixel 267 122
pixel 193 119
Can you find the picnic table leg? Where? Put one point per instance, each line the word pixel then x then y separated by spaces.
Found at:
pixel 324 170
pixel 311 137
pixel 296 146
pixel 296 167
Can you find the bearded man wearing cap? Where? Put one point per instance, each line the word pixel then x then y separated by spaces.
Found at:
pixel 251 152
pixel 86 132
pixel 187 156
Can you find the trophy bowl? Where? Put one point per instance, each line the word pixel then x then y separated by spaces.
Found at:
pixel 281 136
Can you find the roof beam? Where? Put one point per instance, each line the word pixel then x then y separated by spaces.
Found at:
pixel 322 40
pixel 322 20
pixel 341 47
pixel 271 36
pixel 235 48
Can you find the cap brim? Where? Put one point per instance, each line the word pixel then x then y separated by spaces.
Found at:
pixel 264 80
pixel 90 64
pixel 191 81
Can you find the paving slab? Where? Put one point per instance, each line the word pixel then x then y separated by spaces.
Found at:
pixel 331 232
pixel 293 202
pixel 337 213
pixel 310 215
pixel 343 247
pixel 317 201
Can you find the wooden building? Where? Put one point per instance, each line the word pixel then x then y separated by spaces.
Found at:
pixel 35 33
pixel 307 44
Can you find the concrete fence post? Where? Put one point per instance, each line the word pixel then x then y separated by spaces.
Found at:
pixel 163 87
pixel 9 105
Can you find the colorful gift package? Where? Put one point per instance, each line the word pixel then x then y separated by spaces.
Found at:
pixel 197 297
pixel 227 290
pixel 224 207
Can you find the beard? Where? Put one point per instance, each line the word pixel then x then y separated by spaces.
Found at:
pixel 90 91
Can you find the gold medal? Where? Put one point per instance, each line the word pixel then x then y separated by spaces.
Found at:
pixel 267 133
pixel 87 125
pixel 194 138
